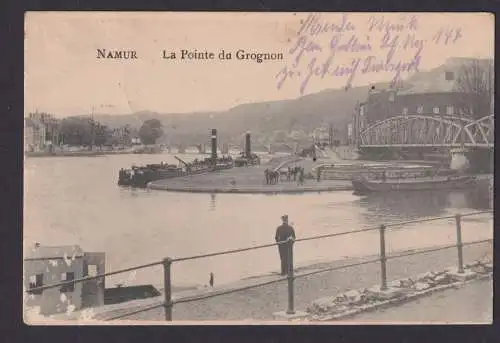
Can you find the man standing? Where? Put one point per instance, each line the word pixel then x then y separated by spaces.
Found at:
pixel 283 233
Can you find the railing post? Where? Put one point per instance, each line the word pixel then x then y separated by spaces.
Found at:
pixel 167 289
pixel 290 309
pixel 383 259
pixel 459 244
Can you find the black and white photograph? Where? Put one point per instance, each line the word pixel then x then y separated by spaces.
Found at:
pixel 258 168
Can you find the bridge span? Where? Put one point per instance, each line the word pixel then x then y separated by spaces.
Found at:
pixel 424 137
pixel 421 130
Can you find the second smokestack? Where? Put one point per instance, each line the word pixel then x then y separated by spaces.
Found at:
pixel 214 144
pixel 248 147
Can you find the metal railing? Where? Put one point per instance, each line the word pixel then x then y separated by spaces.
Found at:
pixel 168 302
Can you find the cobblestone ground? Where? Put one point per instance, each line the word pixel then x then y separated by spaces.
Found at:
pixel 472 303
pixel 260 303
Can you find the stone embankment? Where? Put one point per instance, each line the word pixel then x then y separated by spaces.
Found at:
pixel 249 180
pixel 353 302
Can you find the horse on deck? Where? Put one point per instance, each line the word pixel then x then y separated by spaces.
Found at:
pixel 272 176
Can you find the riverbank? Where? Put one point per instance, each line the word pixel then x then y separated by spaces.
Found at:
pixel 259 304
pixel 76 153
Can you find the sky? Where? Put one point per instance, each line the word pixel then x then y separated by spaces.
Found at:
pixel 64 77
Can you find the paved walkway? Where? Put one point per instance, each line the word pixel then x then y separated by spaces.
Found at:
pixel 472 303
pixel 260 303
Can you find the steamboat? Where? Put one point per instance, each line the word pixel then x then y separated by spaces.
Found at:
pixel 245 160
pixel 140 176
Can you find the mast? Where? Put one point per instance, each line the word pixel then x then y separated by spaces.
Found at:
pixel 92 133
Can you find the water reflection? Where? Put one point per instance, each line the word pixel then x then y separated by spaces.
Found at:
pixel 212 201
pixel 479 199
pixel 414 205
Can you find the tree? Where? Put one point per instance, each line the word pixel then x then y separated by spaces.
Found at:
pixel 76 131
pixel 150 131
pixel 102 134
pixel 84 131
pixel 126 136
pixel 476 82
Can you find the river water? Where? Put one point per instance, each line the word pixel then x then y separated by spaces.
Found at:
pixel 75 200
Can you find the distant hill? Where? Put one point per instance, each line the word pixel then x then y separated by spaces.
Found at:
pixel 333 106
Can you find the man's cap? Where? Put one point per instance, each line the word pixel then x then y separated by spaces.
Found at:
pixel 284 217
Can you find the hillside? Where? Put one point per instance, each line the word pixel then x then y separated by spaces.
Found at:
pixel 303 114
pixel 262 119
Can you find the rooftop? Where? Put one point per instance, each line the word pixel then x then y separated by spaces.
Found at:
pixel 30 122
pixel 43 252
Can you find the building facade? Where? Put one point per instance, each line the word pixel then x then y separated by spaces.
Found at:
pixel 384 104
pixel 45 265
pixel 389 103
pixel 34 135
pixel 41 131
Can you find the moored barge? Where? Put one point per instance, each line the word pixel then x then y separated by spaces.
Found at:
pixel 363 186
pixel 140 176
pixel 348 171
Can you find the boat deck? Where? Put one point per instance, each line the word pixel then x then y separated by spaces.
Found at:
pixel 416 180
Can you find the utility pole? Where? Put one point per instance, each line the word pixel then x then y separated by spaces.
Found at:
pixel 92 133
pixel 330 135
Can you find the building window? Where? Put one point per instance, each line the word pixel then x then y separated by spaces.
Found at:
pixel 68 276
pixel 435 110
pixel 449 76
pixel 92 270
pixel 405 110
pixel 420 109
pixel 449 110
pixel 36 281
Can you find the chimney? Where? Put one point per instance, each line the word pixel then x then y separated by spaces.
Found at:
pixel 248 147
pixel 214 144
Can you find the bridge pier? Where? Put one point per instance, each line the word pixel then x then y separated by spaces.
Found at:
pixel 459 160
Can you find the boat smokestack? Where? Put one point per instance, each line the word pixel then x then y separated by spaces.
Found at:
pixel 248 146
pixel 214 144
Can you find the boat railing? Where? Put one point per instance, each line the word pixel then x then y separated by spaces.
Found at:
pixel 168 302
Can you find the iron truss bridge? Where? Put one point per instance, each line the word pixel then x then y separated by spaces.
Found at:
pixel 429 131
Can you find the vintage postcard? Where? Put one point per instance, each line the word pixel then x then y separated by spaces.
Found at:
pixel 258 168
